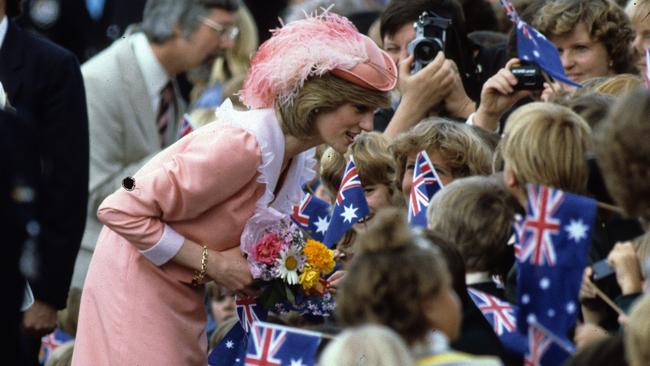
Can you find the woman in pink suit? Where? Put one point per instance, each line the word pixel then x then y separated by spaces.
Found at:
pixel 315 81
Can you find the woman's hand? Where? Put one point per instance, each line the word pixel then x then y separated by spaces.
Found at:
pixel 335 280
pixel 230 270
pixel 457 103
pixel 497 96
pixel 587 334
pixel 626 264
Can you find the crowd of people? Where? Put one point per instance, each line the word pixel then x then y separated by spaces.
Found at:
pixel 143 153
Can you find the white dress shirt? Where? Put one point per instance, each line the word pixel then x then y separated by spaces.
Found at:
pixel 4 24
pixel 155 77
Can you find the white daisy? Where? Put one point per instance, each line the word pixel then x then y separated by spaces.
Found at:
pixel 290 262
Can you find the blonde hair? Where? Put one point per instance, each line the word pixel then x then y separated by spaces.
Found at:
pixel 547 144
pixel 392 265
pixel 637 334
pixel 375 164
pixel 371 345
pixel 462 149
pixel 324 94
pixel 638 10
pixel 475 214
pixel 619 84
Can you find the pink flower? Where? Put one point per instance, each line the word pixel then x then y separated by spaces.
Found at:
pixel 268 248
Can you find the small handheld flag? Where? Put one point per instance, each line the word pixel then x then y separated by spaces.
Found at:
pixel 312 215
pixel 351 205
pixel 425 184
pixel 533 47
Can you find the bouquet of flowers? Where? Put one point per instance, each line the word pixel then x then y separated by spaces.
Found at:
pixel 292 268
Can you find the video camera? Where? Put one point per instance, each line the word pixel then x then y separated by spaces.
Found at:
pixel 430 38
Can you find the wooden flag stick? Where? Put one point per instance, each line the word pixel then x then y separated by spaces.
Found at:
pixel 608 301
pixel 609 207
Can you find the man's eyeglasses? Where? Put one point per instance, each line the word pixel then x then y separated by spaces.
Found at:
pixel 229 32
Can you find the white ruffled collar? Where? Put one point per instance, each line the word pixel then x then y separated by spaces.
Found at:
pixel 263 124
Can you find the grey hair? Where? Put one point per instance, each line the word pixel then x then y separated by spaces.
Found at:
pixel 161 16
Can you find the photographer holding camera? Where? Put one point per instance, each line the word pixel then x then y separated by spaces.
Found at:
pixel 430 82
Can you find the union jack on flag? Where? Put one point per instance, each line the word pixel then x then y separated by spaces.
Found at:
pixel 425 184
pixel 351 205
pixel 248 311
pixel 312 215
pixel 276 345
pixel 500 314
pixel 541 223
pixel 538 344
pixel 533 47
pixel 185 127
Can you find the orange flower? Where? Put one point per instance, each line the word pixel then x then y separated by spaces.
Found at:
pixel 319 256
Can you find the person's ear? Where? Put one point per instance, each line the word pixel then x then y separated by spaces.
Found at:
pixel 509 179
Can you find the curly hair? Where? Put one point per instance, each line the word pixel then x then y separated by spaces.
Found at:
pixel 605 21
pixel 623 152
pixel 392 265
pixel 476 214
pixel 462 149
pixel 374 162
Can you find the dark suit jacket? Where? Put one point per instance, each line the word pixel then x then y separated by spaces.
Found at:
pixel 75 30
pixel 43 83
pixel 19 174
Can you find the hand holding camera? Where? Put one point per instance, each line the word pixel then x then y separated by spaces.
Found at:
pixel 499 93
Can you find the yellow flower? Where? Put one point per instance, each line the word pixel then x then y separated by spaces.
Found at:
pixel 319 256
pixel 309 278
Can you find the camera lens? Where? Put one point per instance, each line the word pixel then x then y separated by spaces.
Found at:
pixel 426 51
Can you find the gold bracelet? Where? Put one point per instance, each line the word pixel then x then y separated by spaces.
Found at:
pixel 198 275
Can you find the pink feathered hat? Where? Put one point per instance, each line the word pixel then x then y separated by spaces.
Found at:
pixel 313 47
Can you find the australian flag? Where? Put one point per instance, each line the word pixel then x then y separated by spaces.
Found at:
pixel 502 316
pixel 232 348
pixel 533 47
pixel 554 239
pixel 249 311
pixel 425 184
pixel 185 126
pixel 277 345
pixel 312 215
pixel 350 207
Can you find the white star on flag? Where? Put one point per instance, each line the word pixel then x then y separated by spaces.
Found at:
pixel 322 224
pixel 297 362
pixel 577 230
pixel 349 214
pixel 230 344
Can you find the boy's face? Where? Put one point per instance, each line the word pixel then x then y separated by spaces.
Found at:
pixel 441 166
pixel 378 196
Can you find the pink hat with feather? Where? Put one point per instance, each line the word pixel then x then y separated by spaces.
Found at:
pixel 313 47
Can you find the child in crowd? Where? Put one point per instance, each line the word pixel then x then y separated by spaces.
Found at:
pixel 399 279
pixel 367 345
pixel 454 148
pixel 476 214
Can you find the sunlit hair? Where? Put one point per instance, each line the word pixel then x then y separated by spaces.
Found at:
pixel 475 213
pixel 547 144
pixel 637 334
pixel 638 10
pixel 391 277
pixel 377 344
pixel 623 152
pixel 619 84
pixel 464 152
pixel 605 21
pixel 375 164
pixel 324 94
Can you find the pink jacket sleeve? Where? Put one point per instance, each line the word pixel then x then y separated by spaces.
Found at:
pixel 200 171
